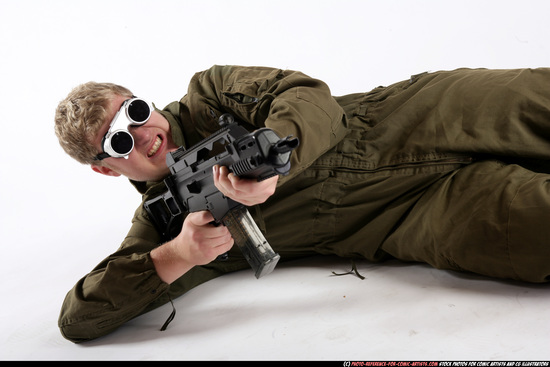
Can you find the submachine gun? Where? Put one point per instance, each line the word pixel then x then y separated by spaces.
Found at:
pixel 260 154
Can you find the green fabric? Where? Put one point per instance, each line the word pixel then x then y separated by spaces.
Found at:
pixel 445 168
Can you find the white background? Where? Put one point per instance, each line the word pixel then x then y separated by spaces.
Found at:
pixel 59 219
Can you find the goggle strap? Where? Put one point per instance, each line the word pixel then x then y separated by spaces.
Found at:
pixel 101 156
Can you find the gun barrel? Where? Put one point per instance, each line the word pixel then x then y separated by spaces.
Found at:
pixel 285 145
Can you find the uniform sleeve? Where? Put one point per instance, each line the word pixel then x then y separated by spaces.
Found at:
pixel 126 285
pixel 116 290
pixel 289 102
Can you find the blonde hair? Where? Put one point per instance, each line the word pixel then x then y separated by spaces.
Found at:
pixel 81 115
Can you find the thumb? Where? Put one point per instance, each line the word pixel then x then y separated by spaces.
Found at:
pixel 200 218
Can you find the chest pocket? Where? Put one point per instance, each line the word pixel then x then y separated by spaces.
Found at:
pixel 248 109
pixel 241 98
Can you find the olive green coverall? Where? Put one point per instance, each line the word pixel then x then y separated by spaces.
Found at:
pixel 446 168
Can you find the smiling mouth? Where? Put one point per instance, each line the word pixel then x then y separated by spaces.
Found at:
pixel 155 147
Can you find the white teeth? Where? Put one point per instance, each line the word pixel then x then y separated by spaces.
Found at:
pixel 155 147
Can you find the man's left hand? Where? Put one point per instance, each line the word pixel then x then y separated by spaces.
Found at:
pixel 245 191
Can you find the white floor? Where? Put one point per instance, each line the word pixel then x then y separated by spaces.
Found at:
pixel 58 219
pixel 303 312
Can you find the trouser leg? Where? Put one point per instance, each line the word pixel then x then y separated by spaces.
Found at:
pixel 499 113
pixel 488 218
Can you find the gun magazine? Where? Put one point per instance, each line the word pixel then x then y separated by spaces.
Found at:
pixel 251 241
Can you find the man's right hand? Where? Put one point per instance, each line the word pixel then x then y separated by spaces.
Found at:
pixel 201 241
pixel 198 243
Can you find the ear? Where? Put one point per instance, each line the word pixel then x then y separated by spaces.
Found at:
pixel 104 170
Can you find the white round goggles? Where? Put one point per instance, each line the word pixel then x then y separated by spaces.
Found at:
pixel 118 142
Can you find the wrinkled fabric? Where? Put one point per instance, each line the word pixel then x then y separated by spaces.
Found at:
pixel 446 168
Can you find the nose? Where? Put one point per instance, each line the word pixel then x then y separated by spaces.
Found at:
pixel 134 127
pixel 137 133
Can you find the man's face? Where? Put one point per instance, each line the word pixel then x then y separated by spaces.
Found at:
pixel 152 141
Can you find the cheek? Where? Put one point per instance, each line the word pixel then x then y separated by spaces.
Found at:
pixel 163 125
pixel 159 121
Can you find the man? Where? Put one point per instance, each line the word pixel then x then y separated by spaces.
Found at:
pixel 446 168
